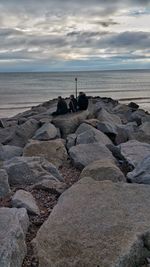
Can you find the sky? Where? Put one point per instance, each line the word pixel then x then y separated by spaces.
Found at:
pixel 68 35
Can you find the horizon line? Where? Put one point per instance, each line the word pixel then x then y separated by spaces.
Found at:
pixel 62 71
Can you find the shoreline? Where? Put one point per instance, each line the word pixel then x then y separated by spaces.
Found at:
pixel 26 108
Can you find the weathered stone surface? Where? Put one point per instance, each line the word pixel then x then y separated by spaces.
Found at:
pixel 139 116
pixel 103 170
pixel 107 128
pixel 13 227
pixel 51 185
pixel 30 170
pixel 8 152
pixel 92 136
pixel 24 199
pixel 145 128
pixel 83 128
pixel 92 122
pixel 142 134
pixel 68 123
pixel 134 151
pixel 84 154
pixel 97 224
pixel 141 173
pixel 20 135
pixel 125 132
pixel 54 151
pixel 105 116
pixel 46 132
pixel 4 185
pixel 71 140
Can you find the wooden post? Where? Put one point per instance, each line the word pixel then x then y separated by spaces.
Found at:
pixel 76 87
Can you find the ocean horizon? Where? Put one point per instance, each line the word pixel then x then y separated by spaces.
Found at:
pixel 20 91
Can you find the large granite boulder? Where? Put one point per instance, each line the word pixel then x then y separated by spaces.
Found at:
pixel 142 134
pixel 8 152
pixel 107 128
pixel 24 199
pixel 105 116
pixel 125 132
pixel 68 123
pixel 103 170
pixel 4 185
pixel 84 154
pixel 20 135
pixel 54 151
pixel 13 227
pixel 46 132
pixel 93 136
pixel 90 135
pixel 141 173
pixel 96 223
pixel 139 116
pixel 134 151
pixel 30 170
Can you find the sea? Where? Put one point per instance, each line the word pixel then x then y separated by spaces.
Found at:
pixel 21 91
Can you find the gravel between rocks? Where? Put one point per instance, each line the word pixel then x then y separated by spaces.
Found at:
pixel 46 200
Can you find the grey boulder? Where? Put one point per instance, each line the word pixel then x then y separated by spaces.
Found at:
pixel 134 151
pixel 86 134
pixel 4 185
pixel 24 199
pixel 51 186
pixel 68 123
pixel 96 223
pixel 141 173
pixel 101 170
pixel 8 152
pixel 13 227
pixel 20 135
pixel 84 154
pixel 54 151
pixel 104 116
pixel 47 132
pixel 30 170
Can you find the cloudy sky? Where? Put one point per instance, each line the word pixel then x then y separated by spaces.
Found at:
pixel 62 35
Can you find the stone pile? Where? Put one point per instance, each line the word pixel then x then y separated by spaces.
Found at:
pixel 103 219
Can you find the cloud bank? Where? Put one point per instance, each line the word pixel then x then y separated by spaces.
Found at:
pixel 65 34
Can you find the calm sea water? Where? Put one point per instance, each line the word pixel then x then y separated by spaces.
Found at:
pixel 19 91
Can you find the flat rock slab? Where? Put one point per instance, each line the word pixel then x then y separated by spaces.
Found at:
pixel 134 151
pixel 24 199
pixel 13 227
pixel 101 170
pixel 4 185
pixel 54 151
pixel 30 170
pixel 84 154
pixel 95 224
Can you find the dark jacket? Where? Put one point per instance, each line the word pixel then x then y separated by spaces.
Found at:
pixel 62 107
pixel 73 105
pixel 83 102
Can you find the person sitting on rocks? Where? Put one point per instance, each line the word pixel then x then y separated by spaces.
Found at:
pixel 61 107
pixel 73 104
pixel 82 101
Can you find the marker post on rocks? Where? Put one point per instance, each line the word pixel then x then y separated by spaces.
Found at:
pixel 76 87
